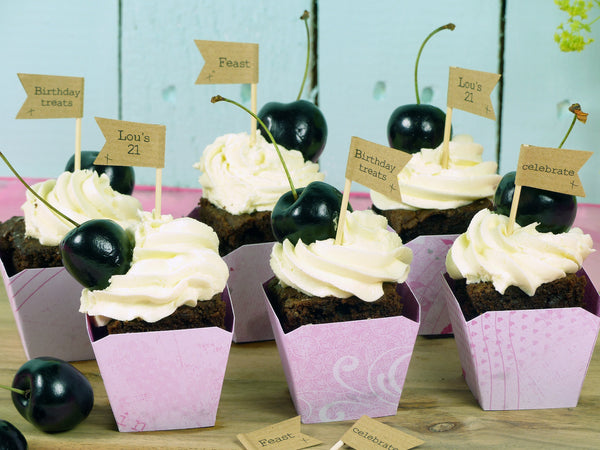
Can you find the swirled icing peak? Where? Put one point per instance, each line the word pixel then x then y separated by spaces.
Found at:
pixel 526 258
pixel 368 256
pixel 175 262
pixel 81 195
pixel 241 178
pixel 425 184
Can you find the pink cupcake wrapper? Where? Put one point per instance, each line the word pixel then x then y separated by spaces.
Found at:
pixel 248 265
pixel 429 261
pixel 342 371
pixel 526 359
pixel 163 380
pixel 45 304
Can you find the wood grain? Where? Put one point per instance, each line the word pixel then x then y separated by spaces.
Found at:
pixel 436 406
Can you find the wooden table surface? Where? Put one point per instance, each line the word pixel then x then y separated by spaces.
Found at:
pixel 436 405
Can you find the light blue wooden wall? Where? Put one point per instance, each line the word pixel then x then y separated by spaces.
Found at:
pixel 365 62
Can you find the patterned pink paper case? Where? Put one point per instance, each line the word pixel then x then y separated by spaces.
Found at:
pixel 342 371
pixel 528 359
pixel 45 304
pixel 429 261
pixel 248 266
pixel 149 377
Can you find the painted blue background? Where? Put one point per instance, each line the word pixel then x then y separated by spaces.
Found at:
pixel 140 62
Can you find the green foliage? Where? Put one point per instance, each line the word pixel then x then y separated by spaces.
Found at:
pixel 571 35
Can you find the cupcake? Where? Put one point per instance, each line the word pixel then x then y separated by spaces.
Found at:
pixel 524 312
pixel 436 200
pixel 168 307
pixel 240 185
pixel 437 204
pixel 37 285
pixel 526 269
pixel 32 241
pixel 343 318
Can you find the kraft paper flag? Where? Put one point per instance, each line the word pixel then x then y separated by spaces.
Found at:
pixel 469 90
pixel 228 62
pixel 51 97
pixel 376 166
pixel 369 434
pixel 284 435
pixel 131 144
pixel 552 169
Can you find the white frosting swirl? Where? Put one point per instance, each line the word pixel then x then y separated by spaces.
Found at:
pixel 175 262
pixel 240 178
pixel 369 255
pixel 424 184
pixel 526 258
pixel 81 196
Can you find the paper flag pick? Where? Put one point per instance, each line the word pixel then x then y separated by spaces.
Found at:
pixel 369 434
pixel 51 97
pixel 131 144
pixel 376 166
pixel 284 435
pixel 469 90
pixel 228 62
pixel 552 169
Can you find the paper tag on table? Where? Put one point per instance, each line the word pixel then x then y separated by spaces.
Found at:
pixel 369 434
pixel 131 144
pixel 228 62
pixel 284 435
pixel 470 90
pixel 51 97
pixel 376 166
pixel 552 169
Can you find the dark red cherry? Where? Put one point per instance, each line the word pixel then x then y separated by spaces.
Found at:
pixel 416 126
pixel 96 250
pixel 554 211
pixel 57 396
pixel 122 178
pixel 11 437
pixel 313 216
pixel 299 125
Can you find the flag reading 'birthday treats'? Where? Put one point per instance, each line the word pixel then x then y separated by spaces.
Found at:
pixel 470 90
pixel 228 62
pixel 552 169
pixel 131 144
pixel 51 97
pixel 376 166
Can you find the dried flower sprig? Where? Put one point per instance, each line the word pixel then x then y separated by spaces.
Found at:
pixel 570 35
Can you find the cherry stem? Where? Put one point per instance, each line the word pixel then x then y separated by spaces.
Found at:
pixel 575 108
pixel 52 208
pixel 448 26
pixel 304 17
pixel 218 98
pixel 15 390
pixel 568 131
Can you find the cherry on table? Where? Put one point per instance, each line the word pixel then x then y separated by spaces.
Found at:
pixel 57 396
pixel 11 437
